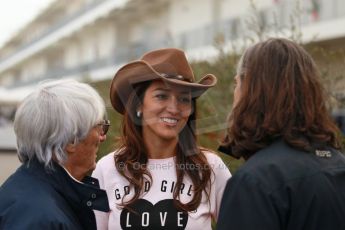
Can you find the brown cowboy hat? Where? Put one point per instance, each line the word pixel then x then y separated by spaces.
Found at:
pixel 169 65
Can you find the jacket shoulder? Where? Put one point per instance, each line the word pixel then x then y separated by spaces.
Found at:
pixel 27 202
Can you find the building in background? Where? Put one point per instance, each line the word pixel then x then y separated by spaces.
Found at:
pixel 90 39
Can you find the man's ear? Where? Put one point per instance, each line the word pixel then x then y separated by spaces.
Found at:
pixel 70 148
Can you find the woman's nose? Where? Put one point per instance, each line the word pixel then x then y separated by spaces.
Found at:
pixel 172 106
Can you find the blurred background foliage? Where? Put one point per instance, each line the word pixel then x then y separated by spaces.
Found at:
pixel 215 105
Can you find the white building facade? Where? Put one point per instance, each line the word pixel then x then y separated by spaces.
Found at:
pixel 90 39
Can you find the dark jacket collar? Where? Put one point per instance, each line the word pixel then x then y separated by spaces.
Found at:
pixel 80 195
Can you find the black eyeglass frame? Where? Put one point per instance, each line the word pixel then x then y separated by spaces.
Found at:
pixel 105 126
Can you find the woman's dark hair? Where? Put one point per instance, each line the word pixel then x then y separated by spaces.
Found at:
pixel 132 152
pixel 281 96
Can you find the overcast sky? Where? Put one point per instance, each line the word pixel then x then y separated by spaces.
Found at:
pixel 14 14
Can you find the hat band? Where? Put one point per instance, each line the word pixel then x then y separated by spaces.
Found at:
pixel 177 77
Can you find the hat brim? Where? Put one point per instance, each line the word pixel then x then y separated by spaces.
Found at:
pixel 140 71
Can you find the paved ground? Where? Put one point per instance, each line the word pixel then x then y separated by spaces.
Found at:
pixel 8 164
pixel 8 155
pixel 7 137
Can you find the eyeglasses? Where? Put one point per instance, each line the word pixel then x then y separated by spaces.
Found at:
pixel 105 126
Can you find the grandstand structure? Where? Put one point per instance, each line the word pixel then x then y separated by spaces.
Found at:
pixel 89 39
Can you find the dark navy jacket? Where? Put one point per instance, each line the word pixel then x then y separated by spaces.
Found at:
pixel 36 198
pixel 283 188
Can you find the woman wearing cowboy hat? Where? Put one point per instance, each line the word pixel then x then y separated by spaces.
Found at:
pixel 159 178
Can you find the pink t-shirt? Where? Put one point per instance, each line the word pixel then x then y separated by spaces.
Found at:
pixel 155 206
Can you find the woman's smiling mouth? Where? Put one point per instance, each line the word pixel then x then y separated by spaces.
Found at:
pixel 170 121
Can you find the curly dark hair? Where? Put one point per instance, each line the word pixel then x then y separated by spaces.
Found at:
pixel 281 96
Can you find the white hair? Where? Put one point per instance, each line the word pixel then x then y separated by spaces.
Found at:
pixel 55 114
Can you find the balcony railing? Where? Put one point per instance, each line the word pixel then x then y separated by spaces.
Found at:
pixel 231 28
pixel 324 10
pixel 122 55
pixel 65 20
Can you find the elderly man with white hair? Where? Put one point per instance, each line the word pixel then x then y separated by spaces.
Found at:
pixel 59 128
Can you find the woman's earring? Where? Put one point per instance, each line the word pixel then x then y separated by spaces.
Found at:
pixel 138 114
